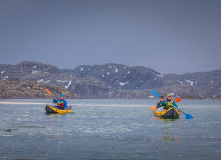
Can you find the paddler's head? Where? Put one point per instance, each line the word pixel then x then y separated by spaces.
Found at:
pixel 62 97
pixel 169 97
pixel 161 98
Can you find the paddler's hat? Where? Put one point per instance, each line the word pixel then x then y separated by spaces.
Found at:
pixel 62 95
pixel 169 95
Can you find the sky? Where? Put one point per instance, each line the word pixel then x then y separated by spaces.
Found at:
pixel 169 36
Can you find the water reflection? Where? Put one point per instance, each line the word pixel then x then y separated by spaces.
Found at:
pixel 165 133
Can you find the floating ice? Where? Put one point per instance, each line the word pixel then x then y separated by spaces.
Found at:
pixel 116 70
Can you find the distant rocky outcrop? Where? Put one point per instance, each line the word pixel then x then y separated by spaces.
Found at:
pixel 14 89
pixel 117 80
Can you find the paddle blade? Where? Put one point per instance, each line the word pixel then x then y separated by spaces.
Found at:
pixel 153 108
pixel 188 116
pixel 48 92
pixel 155 93
pixel 178 100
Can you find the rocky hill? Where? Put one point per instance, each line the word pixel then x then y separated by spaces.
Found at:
pixel 117 80
pixel 14 88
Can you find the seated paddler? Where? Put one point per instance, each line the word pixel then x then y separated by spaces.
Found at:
pixel 61 103
pixel 169 102
pixel 160 104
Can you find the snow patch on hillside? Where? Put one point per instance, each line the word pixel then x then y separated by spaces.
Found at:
pixel 35 71
pixel 190 82
pixel 122 84
pixel 40 80
pixel 159 75
pixel 69 83
pixel 61 81
pixel 180 82
pixel 5 78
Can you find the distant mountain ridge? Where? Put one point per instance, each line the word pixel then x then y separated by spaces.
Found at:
pixel 14 88
pixel 117 80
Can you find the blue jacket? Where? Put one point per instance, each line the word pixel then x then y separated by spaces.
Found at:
pixel 58 101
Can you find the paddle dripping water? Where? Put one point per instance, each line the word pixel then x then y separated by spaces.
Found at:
pixel 109 129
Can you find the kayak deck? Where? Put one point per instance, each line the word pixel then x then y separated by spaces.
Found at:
pixel 170 113
pixel 52 108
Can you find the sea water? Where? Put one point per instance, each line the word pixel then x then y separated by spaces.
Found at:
pixel 109 129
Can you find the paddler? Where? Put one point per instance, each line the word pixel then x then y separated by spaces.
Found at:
pixel 160 104
pixel 61 103
pixel 169 102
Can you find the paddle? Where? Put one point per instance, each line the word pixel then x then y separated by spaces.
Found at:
pixel 188 116
pixel 49 92
pixel 155 93
pixel 52 96
pixel 178 100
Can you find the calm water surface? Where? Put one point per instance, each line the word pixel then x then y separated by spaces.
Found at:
pixel 110 129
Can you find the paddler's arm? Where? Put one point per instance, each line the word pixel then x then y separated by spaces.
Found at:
pixel 158 105
pixel 65 104
pixel 55 100
pixel 175 105
pixel 163 103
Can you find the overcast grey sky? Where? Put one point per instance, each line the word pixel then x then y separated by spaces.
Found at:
pixel 170 36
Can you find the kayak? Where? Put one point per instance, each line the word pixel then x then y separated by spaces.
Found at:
pixel 170 113
pixel 53 108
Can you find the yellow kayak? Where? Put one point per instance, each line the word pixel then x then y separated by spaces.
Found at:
pixel 170 113
pixel 52 108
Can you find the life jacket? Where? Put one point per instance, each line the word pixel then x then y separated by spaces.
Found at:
pixel 159 104
pixel 60 103
pixel 168 104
